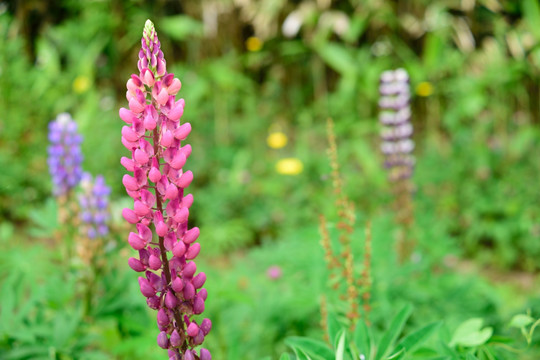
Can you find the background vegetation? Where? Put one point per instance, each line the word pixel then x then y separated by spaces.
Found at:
pixel 250 69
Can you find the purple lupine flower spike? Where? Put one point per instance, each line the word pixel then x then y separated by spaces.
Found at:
pixel 166 245
pixel 65 156
pixel 94 204
pixel 397 147
pixel 395 115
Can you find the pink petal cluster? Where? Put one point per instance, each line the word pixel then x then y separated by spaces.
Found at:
pixel 166 246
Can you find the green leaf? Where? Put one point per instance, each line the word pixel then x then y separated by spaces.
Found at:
pixel 521 320
pixel 362 338
pixel 434 46
pixel 45 219
pixel 390 336
pixel 410 342
pixel 358 25
pixel 64 327
pixel 333 328
pixel 181 27
pixel 471 357
pixel 394 356
pixel 285 357
pixel 471 334
pixel 341 346
pixel 94 355
pixel 531 11
pixel 338 58
pixel 315 348
pixel 27 352
pixel 302 355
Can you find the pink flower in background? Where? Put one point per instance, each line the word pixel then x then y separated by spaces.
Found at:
pixel 274 272
pixel 166 245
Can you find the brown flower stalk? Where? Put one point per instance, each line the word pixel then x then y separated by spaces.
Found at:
pixel 341 263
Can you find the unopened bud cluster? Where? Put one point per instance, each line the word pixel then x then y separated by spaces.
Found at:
pixel 65 156
pixel 395 116
pixel 166 246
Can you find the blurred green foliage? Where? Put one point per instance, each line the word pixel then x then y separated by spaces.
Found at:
pixel 250 68
pixel 255 67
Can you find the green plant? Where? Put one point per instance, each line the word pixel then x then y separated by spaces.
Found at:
pixel 361 344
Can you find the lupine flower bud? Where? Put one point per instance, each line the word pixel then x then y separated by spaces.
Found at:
pixel 189 355
pixel 199 338
pixel 156 182
pixel 193 251
pixel 173 355
pixel 179 249
pixel 193 329
pixel 189 291
pixel 65 155
pixel 203 293
pixel 206 326
pixel 162 317
pixel 130 216
pixel 170 300
pixel 199 280
pixel 146 289
pixel 190 269
pixel 198 305
pixel 176 340
pixel 177 284
pixel 163 340
pixel 153 302
pixel 136 265
pixel 205 355
pixel 191 235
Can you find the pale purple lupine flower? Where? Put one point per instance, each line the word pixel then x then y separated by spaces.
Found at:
pixel 65 156
pixel 94 204
pixel 395 115
pixel 166 246
pixel 397 147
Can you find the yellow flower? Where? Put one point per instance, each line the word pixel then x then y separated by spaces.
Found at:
pixel 276 140
pixel 253 43
pixel 289 166
pixel 81 84
pixel 424 89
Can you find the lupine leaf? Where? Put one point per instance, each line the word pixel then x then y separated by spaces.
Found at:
pixel 65 326
pixel 315 348
pixel 390 336
pixel 285 357
pixel 395 355
pixel 521 320
pixel 300 354
pixel 303 356
pixel 470 333
pixel 415 339
pixel 28 352
pixel 333 328
pixel 341 346
pixel 362 339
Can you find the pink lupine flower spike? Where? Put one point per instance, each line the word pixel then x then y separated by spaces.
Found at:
pixel 166 245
